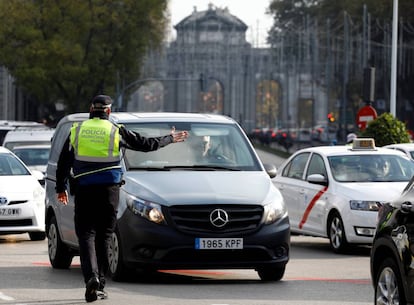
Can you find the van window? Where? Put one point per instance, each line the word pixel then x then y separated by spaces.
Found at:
pixel 59 138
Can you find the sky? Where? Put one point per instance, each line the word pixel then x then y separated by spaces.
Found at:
pixel 251 12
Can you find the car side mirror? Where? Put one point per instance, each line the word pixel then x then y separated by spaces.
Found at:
pixel 270 170
pixel 407 207
pixel 317 179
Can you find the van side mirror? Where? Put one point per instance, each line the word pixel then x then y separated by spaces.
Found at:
pixel 407 207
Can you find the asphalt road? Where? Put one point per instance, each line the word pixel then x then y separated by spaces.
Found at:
pixel 314 276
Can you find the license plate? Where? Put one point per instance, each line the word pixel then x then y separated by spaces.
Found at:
pixel 218 243
pixel 9 212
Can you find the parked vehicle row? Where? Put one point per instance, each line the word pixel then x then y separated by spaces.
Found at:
pixel 7 125
pixel 23 160
pixel 286 137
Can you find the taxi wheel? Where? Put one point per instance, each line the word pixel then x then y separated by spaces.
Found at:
pixel 60 256
pixel 117 269
pixel 336 233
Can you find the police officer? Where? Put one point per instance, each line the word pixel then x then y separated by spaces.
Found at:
pixel 92 152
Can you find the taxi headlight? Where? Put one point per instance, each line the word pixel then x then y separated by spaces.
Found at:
pixel 273 212
pixel 364 205
pixel 39 196
pixel 148 210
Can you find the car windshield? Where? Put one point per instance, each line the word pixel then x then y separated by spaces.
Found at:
pixel 11 166
pixel 367 168
pixel 208 147
pixel 33 156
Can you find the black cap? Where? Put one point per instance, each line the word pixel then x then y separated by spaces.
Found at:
pixel 101 102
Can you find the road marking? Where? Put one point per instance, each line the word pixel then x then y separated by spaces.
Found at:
pixel 310 206
pixel 4 297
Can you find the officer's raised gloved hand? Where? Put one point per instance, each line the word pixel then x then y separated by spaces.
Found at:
pixel 179 136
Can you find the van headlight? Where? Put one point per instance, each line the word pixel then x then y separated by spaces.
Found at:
pixel 149 210
pixel 364 205
pixel 273 212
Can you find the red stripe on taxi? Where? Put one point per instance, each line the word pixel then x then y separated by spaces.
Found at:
pixel 311 205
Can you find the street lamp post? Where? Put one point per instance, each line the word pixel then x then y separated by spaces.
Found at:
pixel 393 94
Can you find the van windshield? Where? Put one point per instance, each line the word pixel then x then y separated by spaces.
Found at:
pixel 209 146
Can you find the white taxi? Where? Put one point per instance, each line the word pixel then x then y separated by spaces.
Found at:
pixel 22 198
pixel 335 191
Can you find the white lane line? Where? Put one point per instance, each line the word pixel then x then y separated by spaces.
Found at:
pixel 4 297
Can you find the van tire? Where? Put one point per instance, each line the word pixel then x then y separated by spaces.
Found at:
pixel 117 269
pixel 60 256
pixel 270 273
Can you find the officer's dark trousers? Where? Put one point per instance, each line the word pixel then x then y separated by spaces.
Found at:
pixel 95 218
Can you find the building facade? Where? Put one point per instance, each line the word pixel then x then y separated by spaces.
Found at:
pixel 210 67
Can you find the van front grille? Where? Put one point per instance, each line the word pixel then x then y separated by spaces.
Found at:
pixel 196 219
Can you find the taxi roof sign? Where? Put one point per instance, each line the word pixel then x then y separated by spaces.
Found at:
pixel 363 144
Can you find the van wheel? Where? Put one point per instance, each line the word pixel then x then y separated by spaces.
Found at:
pixel 270 273
pixel 37 236
pixel 336 233
pixel 60 255
pixel 117 269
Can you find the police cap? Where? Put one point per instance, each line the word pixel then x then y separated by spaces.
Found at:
pixel 101 102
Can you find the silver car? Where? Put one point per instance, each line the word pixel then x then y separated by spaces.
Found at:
pixel 206 203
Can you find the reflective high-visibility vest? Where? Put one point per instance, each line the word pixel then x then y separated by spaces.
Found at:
pixel 96 141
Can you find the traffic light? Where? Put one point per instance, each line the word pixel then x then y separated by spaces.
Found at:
pixel 331 117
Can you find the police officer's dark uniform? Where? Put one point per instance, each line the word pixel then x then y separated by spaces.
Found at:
pixel 92 152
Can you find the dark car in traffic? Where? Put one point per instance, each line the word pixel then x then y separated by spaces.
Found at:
pixel 392 253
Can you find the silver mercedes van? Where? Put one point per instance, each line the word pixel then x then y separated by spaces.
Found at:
pixel 206 203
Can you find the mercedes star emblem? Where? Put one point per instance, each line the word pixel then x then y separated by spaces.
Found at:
pixel 219 218
pixel 3 200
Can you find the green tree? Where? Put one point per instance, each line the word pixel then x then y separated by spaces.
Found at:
pixel 70 50
pixel 288 13
pixel 386 129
